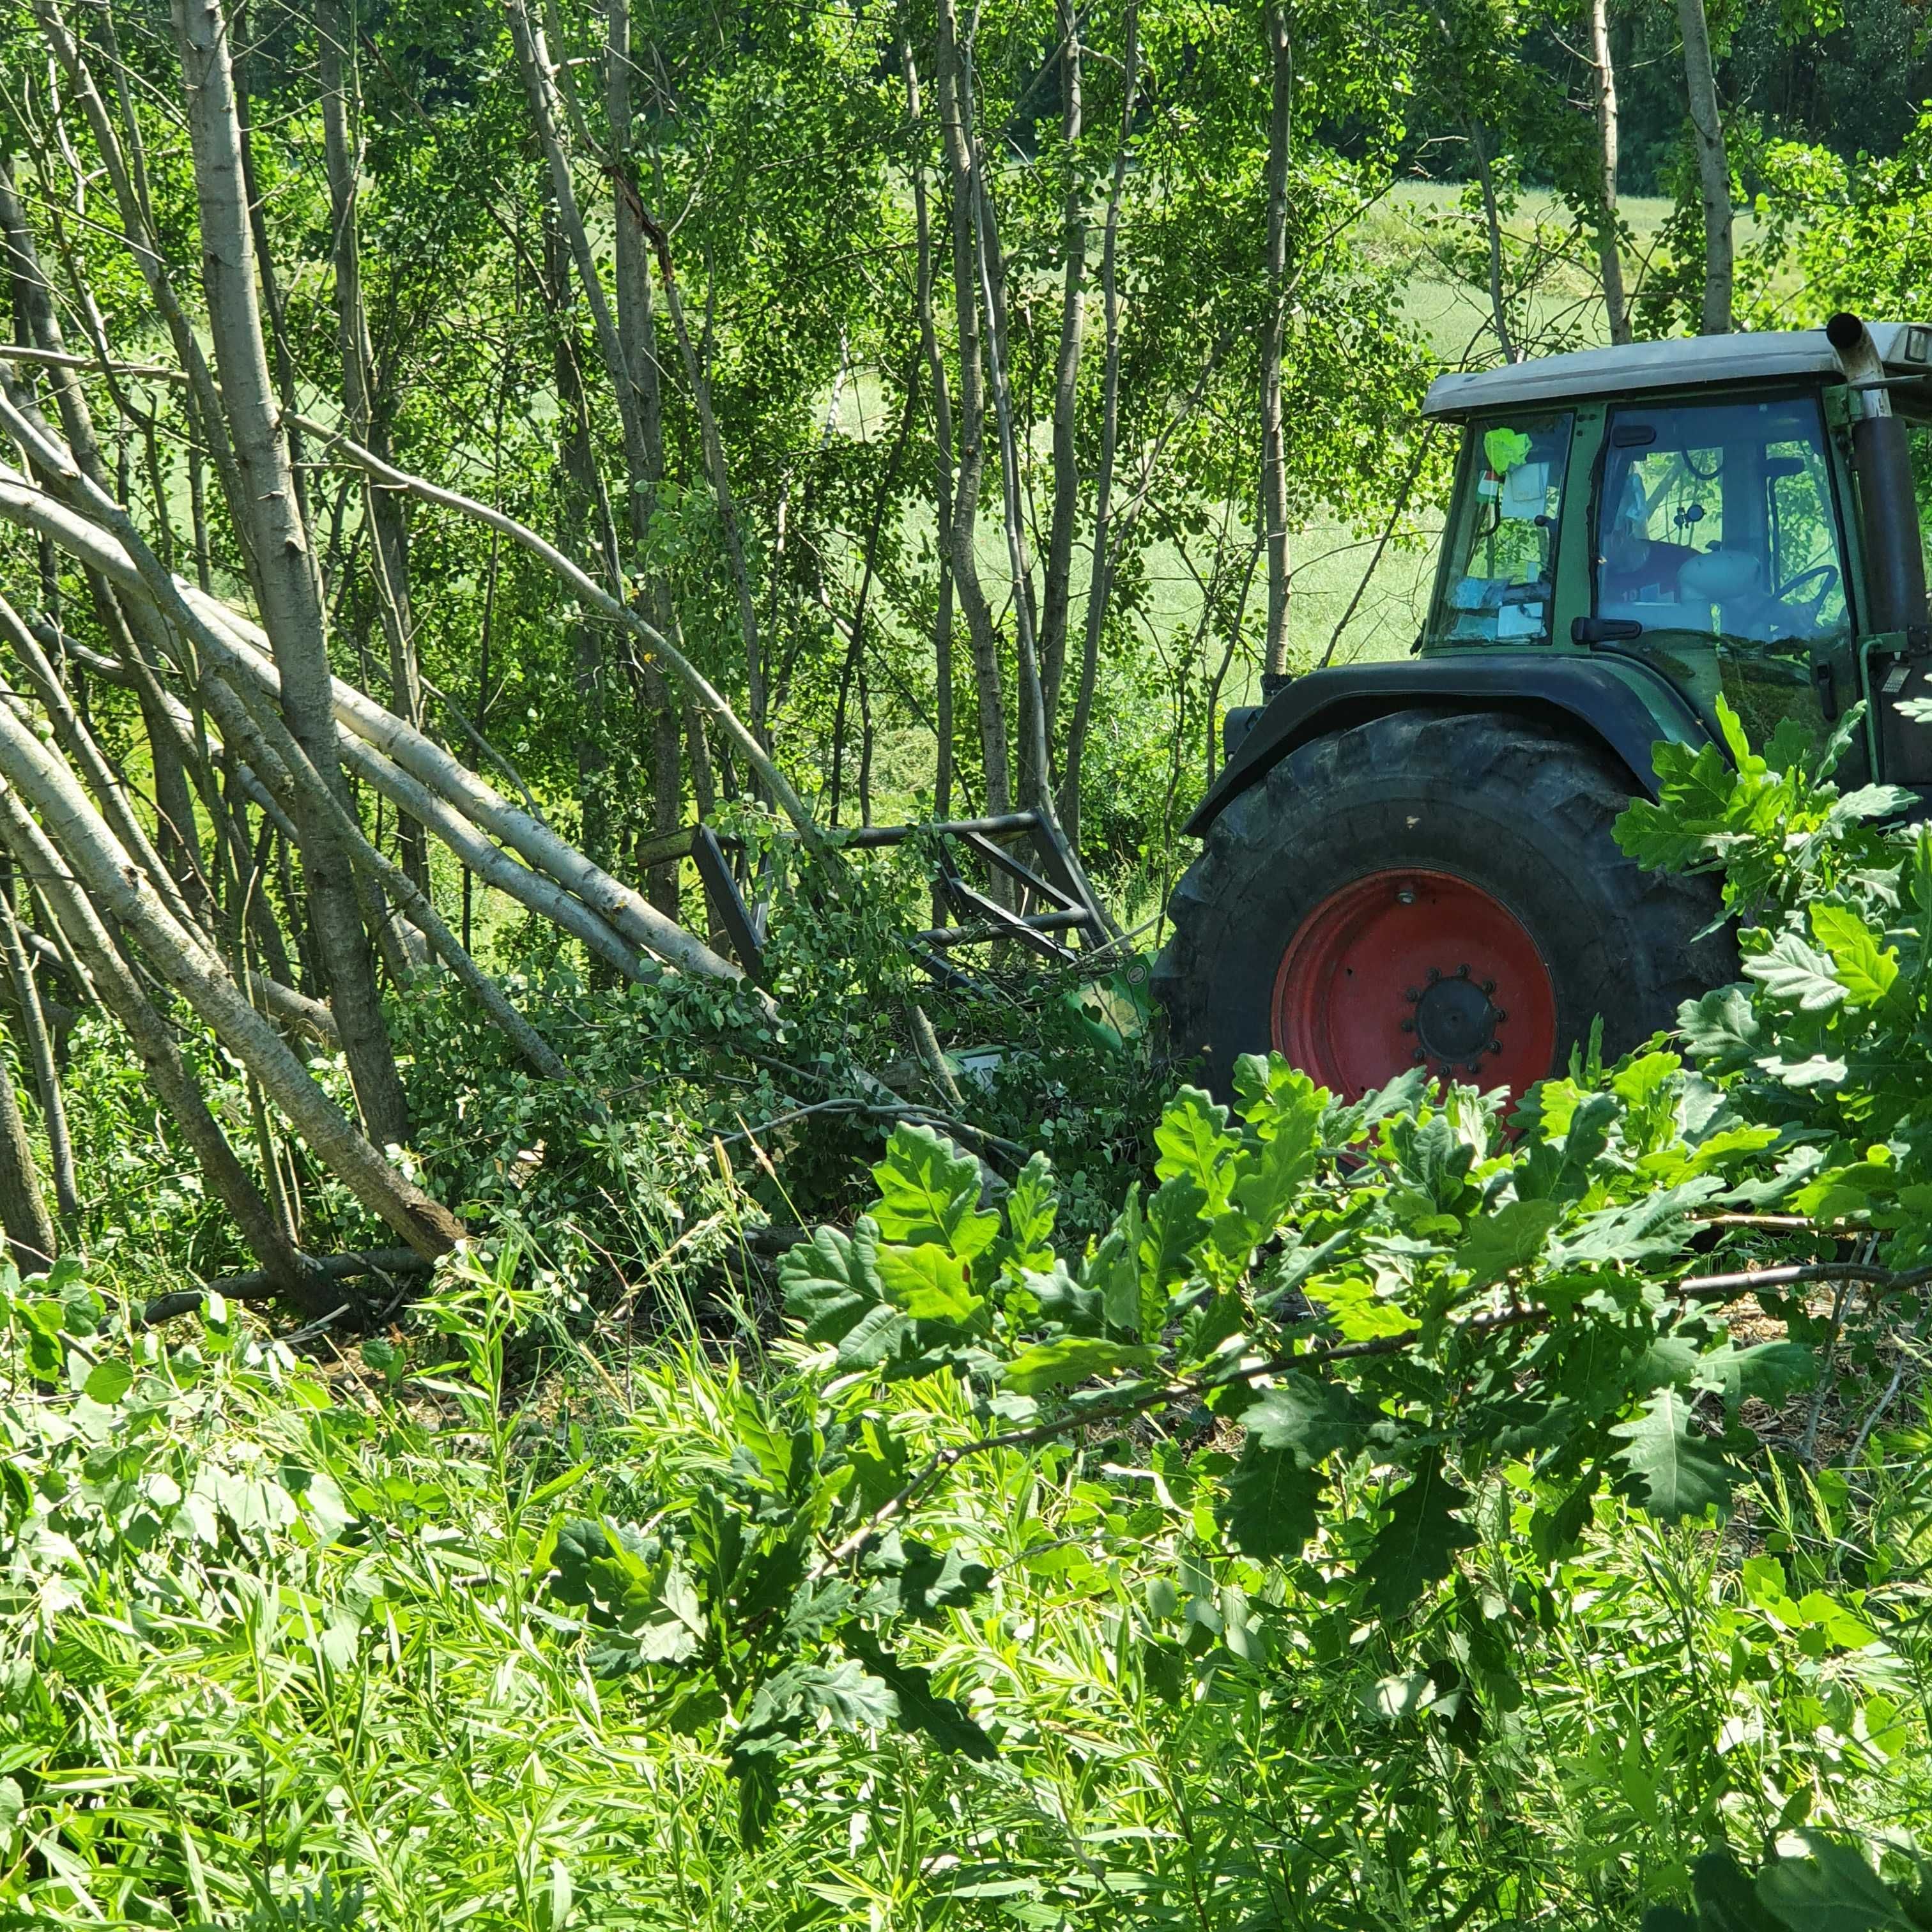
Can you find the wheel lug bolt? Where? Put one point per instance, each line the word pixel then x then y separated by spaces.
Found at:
pixel 1418 1054
pixel 1408 1026
pixel 1500 1016
pixel 1406 896
pixel 1488 986
pixel 1472 1067
pixel 1496 1046
pixel 1434 973
pixel 1413 995
pixel 1462 972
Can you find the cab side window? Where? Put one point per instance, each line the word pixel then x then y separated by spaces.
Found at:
pixel 1502 565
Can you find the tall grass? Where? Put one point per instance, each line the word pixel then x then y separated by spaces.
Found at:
pixel 276 1648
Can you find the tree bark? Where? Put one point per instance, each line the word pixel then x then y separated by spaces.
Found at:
pixel 291 601
pixel 104 871
pixel 49 872
pixel 1274 321
pixel 1035 777
pixel 1714 167
pixel 1100 582
pixel 388 530
pixel 47 1069
pixel 962 159
pixel 942 443
pixel 636 337
pixel 29 1228
pixel 1056 600
pixel 126 174
pixel 1609 243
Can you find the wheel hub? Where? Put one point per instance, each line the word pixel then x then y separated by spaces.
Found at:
pixel 1362 993
pixel 1455 1020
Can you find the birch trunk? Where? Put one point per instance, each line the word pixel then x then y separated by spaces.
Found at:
pixel 1714 167
pixel 636 337
pixel 104 871
pixel 29 1228
pixel 1610 244
pixel 389 532
pixel 47 1069
pixel 1035 777
pixel 236 644
pixel 83 933
pixel 291 603
pixel 1274 460
pixel 1100 582
pixel 1055 602
pixel 125 174
pixel 961 160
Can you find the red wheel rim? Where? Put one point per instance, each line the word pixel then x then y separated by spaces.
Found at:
pixel 1403 968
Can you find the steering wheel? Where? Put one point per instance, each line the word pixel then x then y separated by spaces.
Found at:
pixel 1828 572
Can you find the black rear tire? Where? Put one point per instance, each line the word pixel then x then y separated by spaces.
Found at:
pixel 1519 810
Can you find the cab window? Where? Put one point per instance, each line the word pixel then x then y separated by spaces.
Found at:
pixel 1501 577
pixel 1717 519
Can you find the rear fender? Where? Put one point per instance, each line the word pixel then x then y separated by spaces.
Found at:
pixel 1617 704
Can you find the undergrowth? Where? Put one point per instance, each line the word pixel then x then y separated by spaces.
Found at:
pixel 283 1646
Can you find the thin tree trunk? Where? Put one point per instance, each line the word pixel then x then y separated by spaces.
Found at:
pixel 855 648
pixel 637 338
pixel 942 443
pixel 577 492
pixel 1055 603
pixel 388 531
pixel 23 1207
pixel 1274 323
pixel 106 539
pixel 291 600
pixel 48 871
pixel 126 173
pixel 547 112
pixel 1610 244
pixel 34 302
pixel 1100 582
pixel 1036 778
pixel 47 1069
pixel 1714 167
pixel 104 871
pixel 274 304
pixel 961 160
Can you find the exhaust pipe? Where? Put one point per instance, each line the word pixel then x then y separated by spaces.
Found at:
pixel 1895 596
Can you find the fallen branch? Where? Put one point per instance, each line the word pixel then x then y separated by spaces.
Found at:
pixel 256 1286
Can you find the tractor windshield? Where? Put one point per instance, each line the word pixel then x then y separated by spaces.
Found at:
pixel 1718 540
pixel 1502 550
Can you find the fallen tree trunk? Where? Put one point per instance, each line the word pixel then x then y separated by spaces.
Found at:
pixel 118 887
pixel 82 930
pixel 260 1286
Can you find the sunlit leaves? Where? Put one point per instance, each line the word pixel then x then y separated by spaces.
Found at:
pixel 1678 1471
pixel 929 1193
pixel 1419 1543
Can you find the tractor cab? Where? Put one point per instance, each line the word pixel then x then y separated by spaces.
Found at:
pixel 1412 863
pixel 1734 515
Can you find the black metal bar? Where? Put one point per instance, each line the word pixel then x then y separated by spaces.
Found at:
pixel 1005 862
pixel 1056 860
pixel 727 903
pixel 893 834
pixel 967 935
pixel 1010 925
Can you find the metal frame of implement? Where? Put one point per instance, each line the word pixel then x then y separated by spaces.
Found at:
pixel 1057 905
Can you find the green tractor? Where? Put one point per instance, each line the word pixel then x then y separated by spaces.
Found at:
pixel 1411 863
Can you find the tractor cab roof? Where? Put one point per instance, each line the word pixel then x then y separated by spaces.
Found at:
pixel 1680 362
